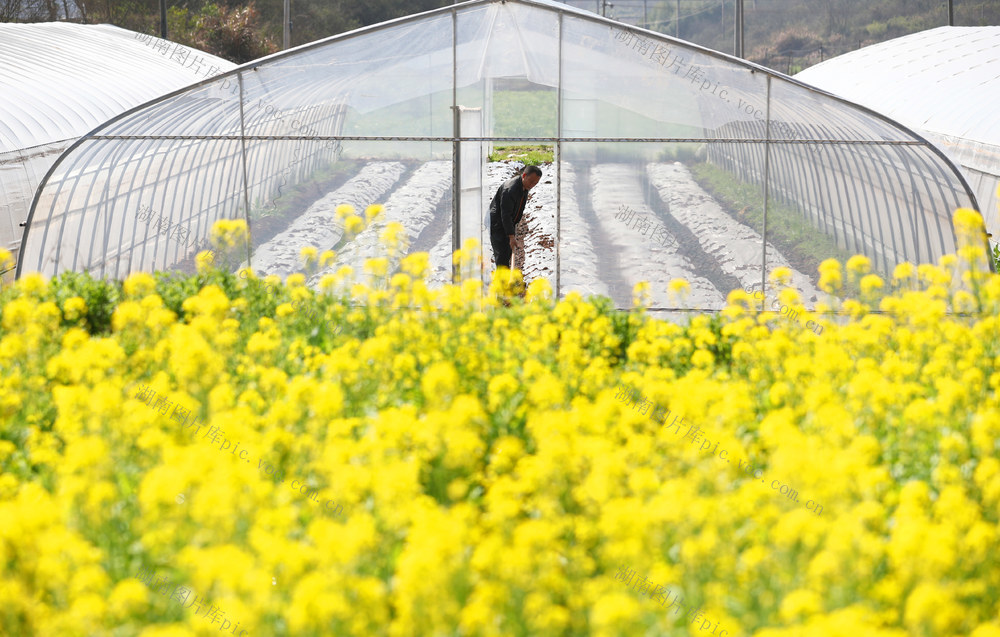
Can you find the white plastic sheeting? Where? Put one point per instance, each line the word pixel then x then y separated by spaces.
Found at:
pixel 944 82
pixel 609 97
pixel 59 81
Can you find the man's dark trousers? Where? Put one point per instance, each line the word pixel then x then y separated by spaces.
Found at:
pixel 501 248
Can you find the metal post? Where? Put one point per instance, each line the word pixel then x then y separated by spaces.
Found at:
pixel 456 196
pixel 738 30
pixel 742 33
pixel 456 167
pixel 286 40
pixel 246 179
pixel 951 13
pixel 677 20
pixel 767 179
pixel 163 19
pixel 558 155
pixel 645 18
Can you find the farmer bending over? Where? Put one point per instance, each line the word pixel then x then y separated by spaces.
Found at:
pixel 506 210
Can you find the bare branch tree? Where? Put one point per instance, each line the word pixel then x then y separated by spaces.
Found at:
pixel 10 10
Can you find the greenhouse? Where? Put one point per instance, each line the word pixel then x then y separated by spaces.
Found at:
pixel 939 82
pixel 671 161
pixel 60 81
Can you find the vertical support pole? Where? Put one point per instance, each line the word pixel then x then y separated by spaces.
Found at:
pixel 767 179
pixel 487 129
pixel 951 13
pixel 246 180
pixel 286 40
pixel 677 20
pixel 738 30
pixel 486 149
pixel 163 19
pixel 456 167
pixel 558 157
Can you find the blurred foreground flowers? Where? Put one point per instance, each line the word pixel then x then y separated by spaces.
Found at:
pixel 491 482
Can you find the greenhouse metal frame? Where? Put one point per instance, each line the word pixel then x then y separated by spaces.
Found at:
pixel 404 113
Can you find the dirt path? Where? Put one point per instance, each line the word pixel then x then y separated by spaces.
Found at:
pixel 319 226
pixel 676 230
pixel 643 255
pixel 413 204
pixel 605 252
pixel 688 245
pixel 735 247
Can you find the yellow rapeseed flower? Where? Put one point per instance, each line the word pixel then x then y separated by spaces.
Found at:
pixel 308 255
pixel 75 308
pixel 679 288
pixel 353 225
pixel 138 285
pixel 204 260
pixel 415 264
pixel 377 267
pixel 781 275
pixel 373 212
pixel 310 475
pixel 640 294
pixel 870 283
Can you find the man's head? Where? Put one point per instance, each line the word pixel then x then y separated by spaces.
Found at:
pixel 530 176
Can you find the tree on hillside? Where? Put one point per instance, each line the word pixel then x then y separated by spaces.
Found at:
pixel 235 34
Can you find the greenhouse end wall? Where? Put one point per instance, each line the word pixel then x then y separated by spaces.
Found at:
pixel 735 169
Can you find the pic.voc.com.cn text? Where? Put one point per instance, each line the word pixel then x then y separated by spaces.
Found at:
pixel 660 414
pixel 784 310
pixel 181 593
pixel 215 435
pixel 646 586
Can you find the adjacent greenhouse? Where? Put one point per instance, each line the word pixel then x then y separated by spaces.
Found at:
pixel 59 81
pixel 671 161
pixel 939 82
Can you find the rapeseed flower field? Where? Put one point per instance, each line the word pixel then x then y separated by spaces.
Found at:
pixel 490 481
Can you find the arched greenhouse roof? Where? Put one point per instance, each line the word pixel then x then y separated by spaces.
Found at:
pixel 944 82
pixel 59 81
pixel 672 161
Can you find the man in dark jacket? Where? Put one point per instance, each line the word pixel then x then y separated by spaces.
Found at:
pixel 506 210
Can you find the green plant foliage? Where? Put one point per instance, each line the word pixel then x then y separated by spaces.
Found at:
pixel 524 113
pixel 877 29
pixel 230 33
pixel 100 297
pixel 527 154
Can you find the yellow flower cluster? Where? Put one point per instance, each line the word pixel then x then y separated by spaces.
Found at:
pixel 214 435
pixel 694 433
pixel 490 480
